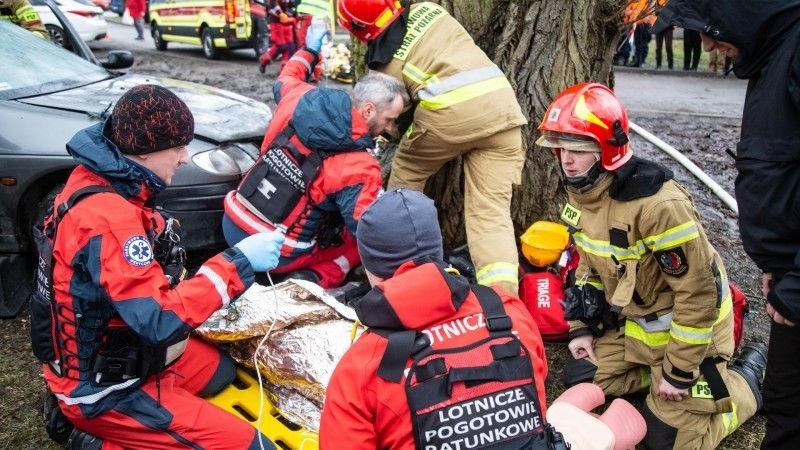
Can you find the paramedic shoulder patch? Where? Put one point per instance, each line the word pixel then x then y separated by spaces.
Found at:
pixel 672 261
pixel 137 251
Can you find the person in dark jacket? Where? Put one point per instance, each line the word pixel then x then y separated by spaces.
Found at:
pixel 762 36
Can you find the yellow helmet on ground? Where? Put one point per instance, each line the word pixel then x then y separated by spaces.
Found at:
pixel 543 242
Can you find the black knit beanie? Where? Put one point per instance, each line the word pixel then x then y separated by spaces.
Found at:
pixel 401 225
pixel 150 118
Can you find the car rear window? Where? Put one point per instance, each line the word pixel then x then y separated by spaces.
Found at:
pixel 33 65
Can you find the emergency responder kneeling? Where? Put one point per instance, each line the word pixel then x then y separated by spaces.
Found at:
pixel 119 358
pixel 445 364
pixel 651 308
pixel 315 176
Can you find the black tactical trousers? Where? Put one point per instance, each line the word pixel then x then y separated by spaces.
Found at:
pixel 782 389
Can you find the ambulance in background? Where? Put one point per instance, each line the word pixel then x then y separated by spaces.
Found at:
pixel 212 24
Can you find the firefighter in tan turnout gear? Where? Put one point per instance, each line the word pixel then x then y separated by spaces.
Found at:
pixel 22 13
pixel 462 105
pixel 651 308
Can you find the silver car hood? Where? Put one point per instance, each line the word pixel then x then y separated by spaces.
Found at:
pixel 219 115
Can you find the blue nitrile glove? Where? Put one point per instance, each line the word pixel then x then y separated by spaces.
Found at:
pixel 314 37
pixel 262 249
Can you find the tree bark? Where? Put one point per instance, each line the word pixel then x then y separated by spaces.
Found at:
pixel 543 46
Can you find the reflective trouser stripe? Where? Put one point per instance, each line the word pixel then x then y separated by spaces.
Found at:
pixel 644 374
pixel 500 272
pixel 465 93
pixel 731 420
pixel 97 396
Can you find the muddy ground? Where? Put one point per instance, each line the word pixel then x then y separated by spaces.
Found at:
pixel 703 139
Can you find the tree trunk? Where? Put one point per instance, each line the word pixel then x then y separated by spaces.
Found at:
pixel 543 46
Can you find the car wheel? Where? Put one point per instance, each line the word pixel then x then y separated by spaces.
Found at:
pixel 209 50
pixel 57 35
pixel 158 41
pixel 45 205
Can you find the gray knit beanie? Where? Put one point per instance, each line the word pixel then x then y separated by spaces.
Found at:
pixel 400 226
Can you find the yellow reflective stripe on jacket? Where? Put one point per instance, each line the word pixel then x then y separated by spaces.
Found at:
pixel 465 93
pixel 673 237
pixel 605 249
pixel 459 80
pixel 416 74
pixel 420 20
pixel 314 8
pixel 658 336
pixel 691 335
pixel 499 272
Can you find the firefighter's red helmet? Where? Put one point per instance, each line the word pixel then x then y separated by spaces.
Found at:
pixel 366 19
pixel 585 114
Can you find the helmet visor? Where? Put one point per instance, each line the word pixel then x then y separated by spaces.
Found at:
pixel 571 142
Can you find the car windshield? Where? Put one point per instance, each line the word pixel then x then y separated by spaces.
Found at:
pixel 33 66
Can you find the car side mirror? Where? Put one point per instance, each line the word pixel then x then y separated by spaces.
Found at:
pixel 117 59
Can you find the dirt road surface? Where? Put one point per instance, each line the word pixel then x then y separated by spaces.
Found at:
pixel 699 116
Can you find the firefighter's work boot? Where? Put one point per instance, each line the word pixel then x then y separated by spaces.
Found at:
pixel 750 364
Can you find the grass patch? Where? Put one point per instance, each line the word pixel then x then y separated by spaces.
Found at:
pixel 677 52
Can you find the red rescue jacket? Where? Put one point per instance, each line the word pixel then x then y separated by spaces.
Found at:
pixel 104 272
pixel 364 411
pixel 324 119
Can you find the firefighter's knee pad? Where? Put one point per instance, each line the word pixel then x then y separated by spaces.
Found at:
pixel 578 371
pixel 223 376
pixel 660 436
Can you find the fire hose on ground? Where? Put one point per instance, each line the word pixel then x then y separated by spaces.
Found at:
pixel 689 165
